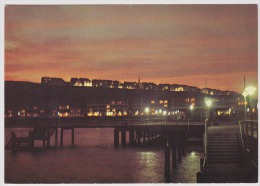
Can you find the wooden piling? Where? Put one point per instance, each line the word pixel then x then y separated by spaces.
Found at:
pixel 167 163
pixel 56 136
pixel 48 138
pixel 183 150
pixel 123 137
pixel 116 137
pixel 13 139
pixel 179 152
pixel 31 138
pixel 72 136
pixel 201 164
pixel 139 137
pixel 200 177
pixel 131 136
pixel 174 156
pixel 61 137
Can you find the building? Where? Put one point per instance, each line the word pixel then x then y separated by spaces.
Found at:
pixel 52 81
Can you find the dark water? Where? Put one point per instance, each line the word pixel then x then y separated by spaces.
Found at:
pixel 93 159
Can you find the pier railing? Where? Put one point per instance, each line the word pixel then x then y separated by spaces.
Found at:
pixel 205 142
pixel 249 140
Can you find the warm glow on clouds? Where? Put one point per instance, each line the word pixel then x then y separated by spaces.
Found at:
pixel 176 44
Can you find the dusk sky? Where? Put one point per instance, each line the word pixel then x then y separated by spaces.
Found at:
pixel 175 44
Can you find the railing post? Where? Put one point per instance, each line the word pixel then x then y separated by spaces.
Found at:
pixel 205 138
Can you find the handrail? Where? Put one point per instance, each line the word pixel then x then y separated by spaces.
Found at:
pixel 205 141
pixel 241 135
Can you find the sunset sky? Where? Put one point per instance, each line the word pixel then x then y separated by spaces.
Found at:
pixel 175 44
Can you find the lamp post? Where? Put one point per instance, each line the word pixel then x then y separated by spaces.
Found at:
pixel 245 94
pixel 147 110
pixel 248 91
pixel 208 104
pixel 191 109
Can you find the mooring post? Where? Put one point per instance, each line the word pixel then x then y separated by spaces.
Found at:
pixel 123 136
pixel 179 152
pixel 116 137
pixel 48 138
pixel 167 161
pixel 61 136
pixel 72 136
pixel 174 156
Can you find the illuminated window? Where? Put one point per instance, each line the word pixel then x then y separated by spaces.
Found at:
pixel 161 101
pixel 152 102
pixel 165 101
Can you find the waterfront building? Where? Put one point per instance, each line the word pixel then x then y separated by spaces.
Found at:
pixel 107 98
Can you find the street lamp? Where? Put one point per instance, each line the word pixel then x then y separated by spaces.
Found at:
pixel 208 103
pixel 147 110
pixel 245 94
pixel 248 91
pixel 191 109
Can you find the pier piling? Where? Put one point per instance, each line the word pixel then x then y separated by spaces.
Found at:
pixel 123 137
pixel 167 162
pixel 116 137
pixel 174 156
pixel 131 136
pixel 72 136
pixel 48 139
pixel 179 152
pixel 56 136
pixel 61 137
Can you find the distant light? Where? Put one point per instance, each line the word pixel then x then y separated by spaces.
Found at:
pixel 192 153
pixel 208 102
pixel 147 109
pixel 164 113
pixel 250 90
pixel 191 107
pixel 160 111
pixel 245 93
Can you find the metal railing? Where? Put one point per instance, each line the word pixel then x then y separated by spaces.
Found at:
pixel 205 142
pixel 249 132
pixel 241 136
pixel 250 128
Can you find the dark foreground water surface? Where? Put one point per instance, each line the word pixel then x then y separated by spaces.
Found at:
pixel 93 159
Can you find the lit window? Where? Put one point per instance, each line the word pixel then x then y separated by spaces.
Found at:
pixel 152 102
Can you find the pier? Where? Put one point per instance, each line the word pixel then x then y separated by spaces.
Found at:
pixel 230 151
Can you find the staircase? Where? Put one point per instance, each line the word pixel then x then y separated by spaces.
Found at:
pixel 224 159
pixel 224 148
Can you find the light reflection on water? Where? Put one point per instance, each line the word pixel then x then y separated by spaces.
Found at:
pixel 93 159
